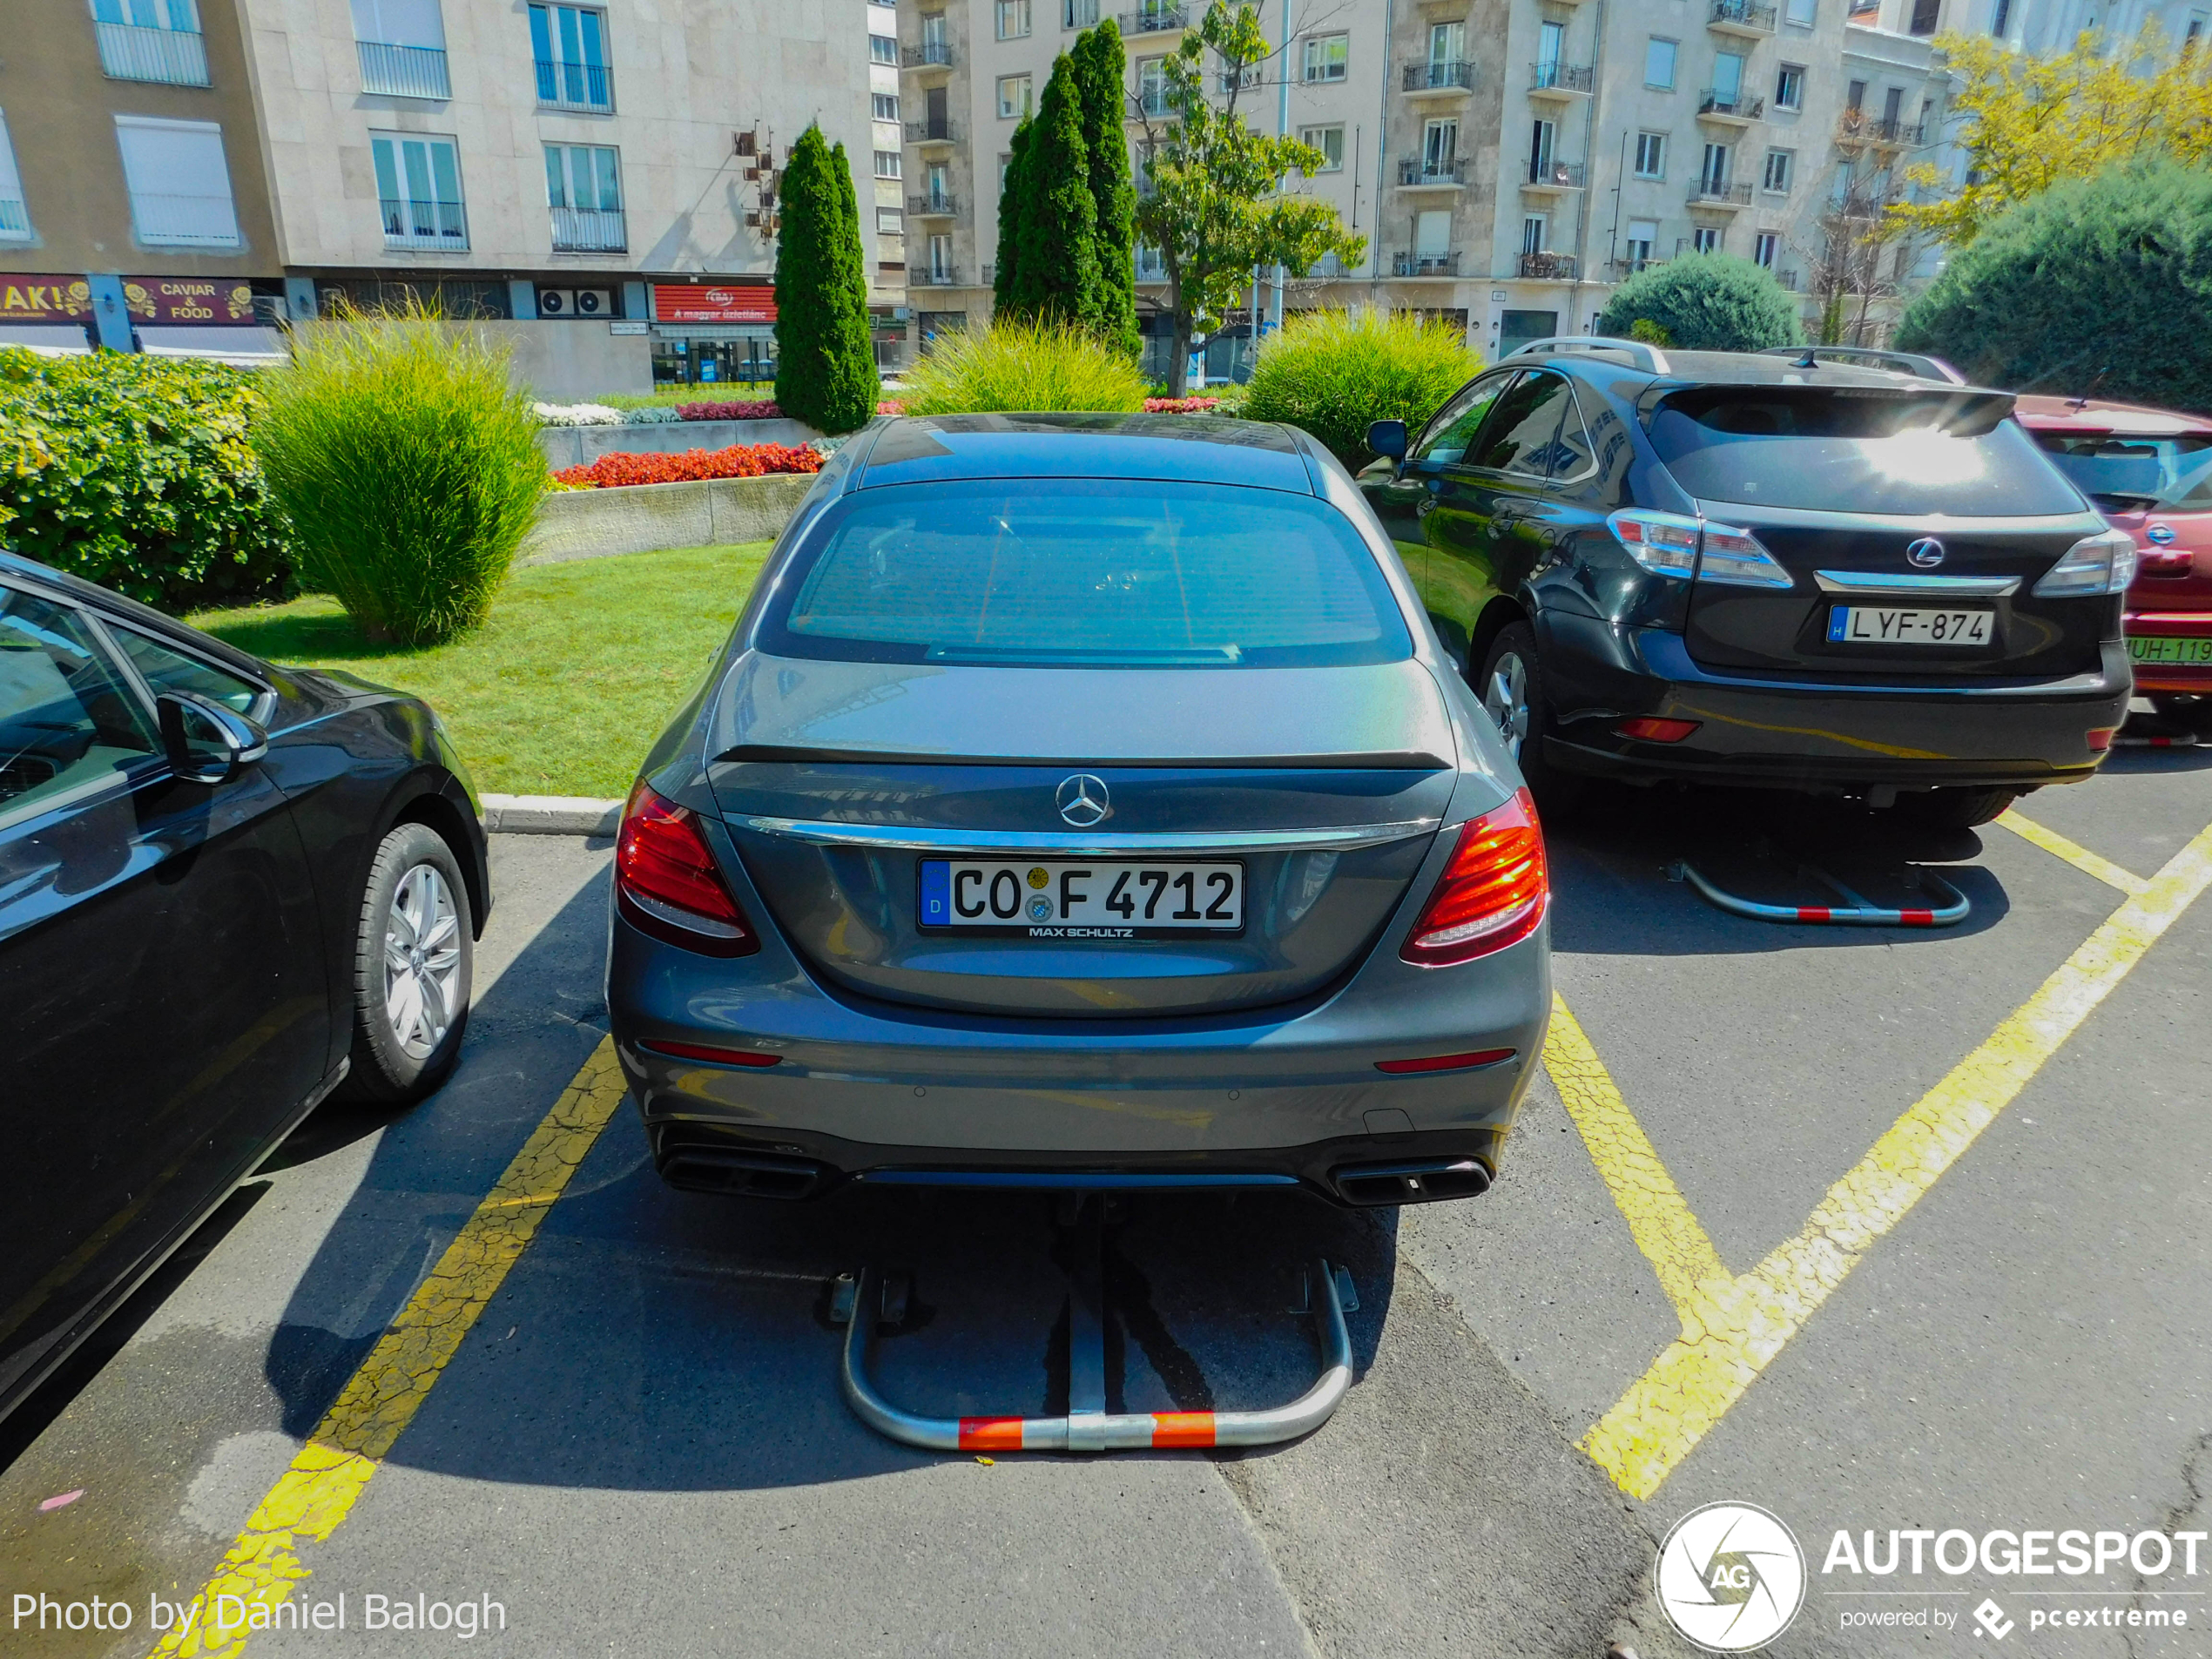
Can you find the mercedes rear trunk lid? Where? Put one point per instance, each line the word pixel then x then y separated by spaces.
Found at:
pixel 1075 842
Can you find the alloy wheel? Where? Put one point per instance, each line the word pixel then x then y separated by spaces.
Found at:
pixel 1505 699
pixel 422 959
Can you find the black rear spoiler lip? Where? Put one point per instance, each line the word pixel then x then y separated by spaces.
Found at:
pixel 1397 761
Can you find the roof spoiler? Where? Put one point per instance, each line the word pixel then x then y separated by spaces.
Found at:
pixel 1905 362
pixel 1640 355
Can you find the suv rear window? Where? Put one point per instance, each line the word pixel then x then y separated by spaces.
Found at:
pixel 1830 449
pixel 1061 572
pixel 2170 471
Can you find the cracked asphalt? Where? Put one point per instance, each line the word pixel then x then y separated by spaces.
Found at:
pixel 639 1447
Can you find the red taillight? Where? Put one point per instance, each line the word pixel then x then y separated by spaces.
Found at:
pixel 712 1056
pixel 1650 728
pixel 1447 1062
pixel 666 881
pixel 1493 893
pixel 2101 737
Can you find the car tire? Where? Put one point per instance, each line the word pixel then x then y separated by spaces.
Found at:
pixel 1512 692
pixel 1956 808
pixel 413 958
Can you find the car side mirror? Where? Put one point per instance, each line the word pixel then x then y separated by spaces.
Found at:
pixel 206 742
pixel 1388 438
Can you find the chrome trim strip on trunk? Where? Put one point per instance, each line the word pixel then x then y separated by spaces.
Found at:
pixel 1337 838
pixel 1890 585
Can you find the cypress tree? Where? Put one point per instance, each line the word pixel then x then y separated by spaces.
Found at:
pixel 1014 194
pixel 825 360
pixel 1100 66
pixel 1058 279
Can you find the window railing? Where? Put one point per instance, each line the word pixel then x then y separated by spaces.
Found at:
pixel 575 86
pixel 1151 267
pixel 931 54
pixel 933 206
pixel 1431 170
pixel 1555 175
pixel 1857 126
pixel 409 223
pixel 1789 279
pixel 934 276
pixel 165 220
pixel 403 72
pixel 14 217
pixel 590 230
pixel 1635 263
pixel 1410 265
pixel 129 52
pixel 1730 106
pixel 1562 77
pixel 1705 193
pixel 1153 101
pixel 1548 267
pixel 1152 20
pixel 938 131
pixel 1455 74
pixel 1742 14
pixel 1240 80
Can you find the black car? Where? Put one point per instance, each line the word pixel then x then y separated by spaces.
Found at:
pixel 1762 570
pixel 225 890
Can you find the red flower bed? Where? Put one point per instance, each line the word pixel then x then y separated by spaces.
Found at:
pixel 738 461
pixel 890 406
pixel 757 410
pixel 1179 404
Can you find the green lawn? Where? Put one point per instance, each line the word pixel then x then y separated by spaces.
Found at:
pixel 562 691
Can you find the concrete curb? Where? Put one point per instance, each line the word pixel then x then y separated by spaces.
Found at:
pixel 550 815
pixel 644 519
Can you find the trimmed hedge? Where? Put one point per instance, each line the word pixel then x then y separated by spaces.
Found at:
pixel 1706 303
pixel 2102 283
pixel 1333 373
pixel 135 473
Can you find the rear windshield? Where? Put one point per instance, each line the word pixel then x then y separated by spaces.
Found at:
pixel 2120 470
pixel 1828 449
pixel 1060 572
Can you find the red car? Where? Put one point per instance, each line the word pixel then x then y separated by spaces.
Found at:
pixel 2149 471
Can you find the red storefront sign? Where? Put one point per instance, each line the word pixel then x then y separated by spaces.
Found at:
pixel 713 302
pixel 45 298
pixel 186 301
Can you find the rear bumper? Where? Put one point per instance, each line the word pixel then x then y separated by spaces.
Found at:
pixel 2172 624
pixel 1774 734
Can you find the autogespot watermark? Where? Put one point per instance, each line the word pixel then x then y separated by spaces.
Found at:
pixel 229 1617
pixel 1731 1578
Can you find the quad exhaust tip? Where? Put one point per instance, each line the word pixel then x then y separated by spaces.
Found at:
pixel 1425 1182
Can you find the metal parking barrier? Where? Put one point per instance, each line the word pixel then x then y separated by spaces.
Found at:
pixel 2178 740
pixel 1856 911
pixel 1089 1427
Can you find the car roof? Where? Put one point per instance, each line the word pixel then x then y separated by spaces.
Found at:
pixel 1193 448
pixel 2088 414
pixel 76 590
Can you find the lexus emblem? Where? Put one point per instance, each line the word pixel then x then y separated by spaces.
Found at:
pixel 1082 800
pixel 1925 553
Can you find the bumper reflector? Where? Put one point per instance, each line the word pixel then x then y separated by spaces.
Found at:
pixel 2101 739
pixel 712 1056
pixel 1650 728
pixel 1448 1061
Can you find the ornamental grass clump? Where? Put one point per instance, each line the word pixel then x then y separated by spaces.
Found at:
pixel 1335 373
pixel 408 468
pixel 1020 366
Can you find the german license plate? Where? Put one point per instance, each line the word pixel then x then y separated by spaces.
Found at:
pixel 2166 649
pixel 1883 625
pixel 1082 898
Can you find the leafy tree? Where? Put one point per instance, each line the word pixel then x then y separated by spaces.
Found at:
pixel 1845 258
pixel 2033 121
pixel 1014 198
pixel 2101 282
pixel 1707 302
pixel 825 358
pixel 1217 210
pixel 1057 280
pixel 1100 64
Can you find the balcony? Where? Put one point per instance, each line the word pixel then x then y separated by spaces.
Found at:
pixel 164 220
pixel 1154 20
pixel 1425 265
pixel 1854 127
pixel 424 224
pixel 1562 80
pixel 589 87
pixel 934 276
pixel 933 133
pixel 1553 177
pixel 1635 264
pixel 590 230
pixel 1731 109
pixel 1549 267
pixel 1429 172
pixel 175 57
pixel 931 54
pixel 15 219
pixel 1740 17
pixel 933 207
pixel 1705 193
pixel 404 71
pixel 1448 77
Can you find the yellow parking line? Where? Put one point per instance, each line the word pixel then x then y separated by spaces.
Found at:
pixel 1737 1328
pixel 311 1497
pixel 2079 856
pixel 1659 1218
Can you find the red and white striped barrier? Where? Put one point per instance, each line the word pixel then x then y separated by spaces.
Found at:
pixel 1858 913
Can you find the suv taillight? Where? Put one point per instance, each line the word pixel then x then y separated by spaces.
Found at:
pixel 2100 563
pixel 666 882
pixel 1492 893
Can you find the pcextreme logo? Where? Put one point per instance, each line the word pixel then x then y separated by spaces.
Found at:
pixel 1731 1577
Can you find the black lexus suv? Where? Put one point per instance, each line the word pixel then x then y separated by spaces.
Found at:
pixel 1855 577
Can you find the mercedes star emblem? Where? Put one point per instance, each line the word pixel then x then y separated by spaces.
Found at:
pixel 1082 800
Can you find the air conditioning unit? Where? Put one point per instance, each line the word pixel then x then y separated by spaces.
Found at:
pixel 575 302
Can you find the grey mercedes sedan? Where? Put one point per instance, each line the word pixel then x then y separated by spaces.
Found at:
pixel 1081 801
